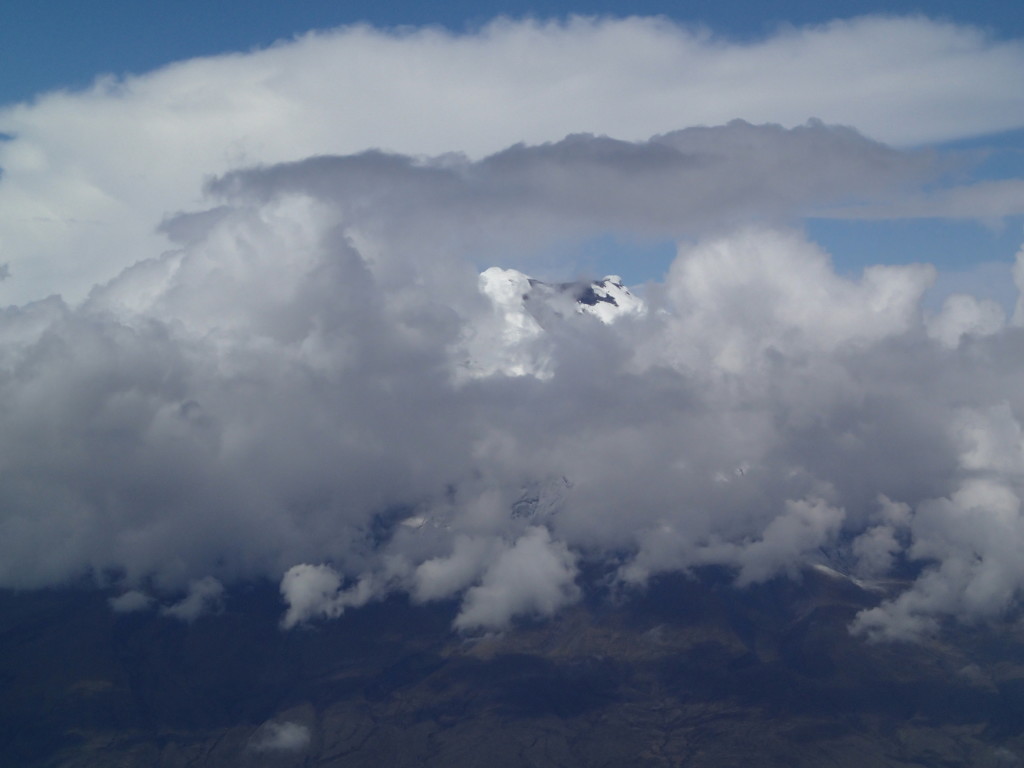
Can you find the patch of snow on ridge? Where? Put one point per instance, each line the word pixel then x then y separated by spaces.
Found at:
pixel 832 573
pixel 511 340
pixel 541 499
pixel 608 300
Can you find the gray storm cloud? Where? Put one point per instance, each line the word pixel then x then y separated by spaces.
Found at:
pixel 317 385
pixel 682 183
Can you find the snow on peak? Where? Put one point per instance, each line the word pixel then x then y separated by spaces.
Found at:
pixel 510 340
pixel 608 299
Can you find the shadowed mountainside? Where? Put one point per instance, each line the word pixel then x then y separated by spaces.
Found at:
pixel 691 672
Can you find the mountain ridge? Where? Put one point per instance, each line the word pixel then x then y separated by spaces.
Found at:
pixel 691 671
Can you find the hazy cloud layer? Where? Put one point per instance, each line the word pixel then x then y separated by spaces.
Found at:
pixel 280 737
pixel 317 385
pixel 683 183
pixel 204 596
pixel 90 172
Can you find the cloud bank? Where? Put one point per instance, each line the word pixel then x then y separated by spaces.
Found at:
pixel 90 172
pixel 271 315
pixel 316 384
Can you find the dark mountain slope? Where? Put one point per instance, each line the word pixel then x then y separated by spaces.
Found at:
pixel 691 672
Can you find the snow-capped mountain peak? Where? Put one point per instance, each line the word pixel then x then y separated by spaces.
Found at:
pixel 524 308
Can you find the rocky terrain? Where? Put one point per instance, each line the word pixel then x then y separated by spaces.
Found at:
pixel 692 672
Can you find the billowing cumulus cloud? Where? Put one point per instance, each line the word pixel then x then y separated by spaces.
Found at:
pixel 318 385
pixel 331 368
pixel 92 171
pixel 534 575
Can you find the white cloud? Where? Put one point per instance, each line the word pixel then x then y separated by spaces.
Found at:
pixel 877 547
pixel 442 577
pixel 970 539
pixel 90 173
pixel 803 528
pixel 280 737
pixel 271 395
pixel 204 596
pixel 740 296
pixel 282 388
pixel 130 602
pixel 535 576
pixel 310 591
pixel 875 550
pixel 964 315
pixel 315 592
